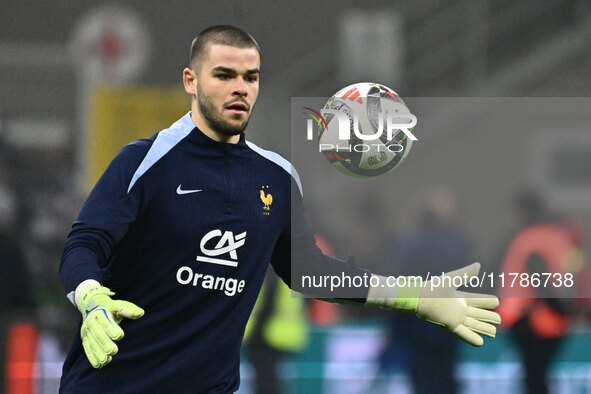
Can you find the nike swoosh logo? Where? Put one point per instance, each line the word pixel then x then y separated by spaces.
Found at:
pixel 87 311
pixel 181 191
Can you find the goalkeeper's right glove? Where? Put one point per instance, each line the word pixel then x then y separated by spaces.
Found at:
pixel 100 323
pixel 464 314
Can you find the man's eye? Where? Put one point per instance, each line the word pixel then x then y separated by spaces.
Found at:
pixel 223 76
pixel 251 79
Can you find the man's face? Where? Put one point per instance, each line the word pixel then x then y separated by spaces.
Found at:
pixel 227 87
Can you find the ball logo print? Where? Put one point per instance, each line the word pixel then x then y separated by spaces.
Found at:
pixel 364 130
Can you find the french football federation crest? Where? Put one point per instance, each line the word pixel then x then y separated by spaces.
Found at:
pixel 267 199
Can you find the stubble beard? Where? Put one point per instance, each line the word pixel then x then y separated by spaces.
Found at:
pixel 214 117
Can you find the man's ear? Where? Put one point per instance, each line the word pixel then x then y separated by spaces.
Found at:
pixel 190 81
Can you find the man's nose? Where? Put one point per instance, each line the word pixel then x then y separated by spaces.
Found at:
pixel 240 88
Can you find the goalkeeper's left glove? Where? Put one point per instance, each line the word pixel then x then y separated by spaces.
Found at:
pixel 439 301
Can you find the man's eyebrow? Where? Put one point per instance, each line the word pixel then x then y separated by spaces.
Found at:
pixel 224 69
pixel 232 71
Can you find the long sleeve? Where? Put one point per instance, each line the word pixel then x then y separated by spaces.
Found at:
pixel 103 220
pixel 302 265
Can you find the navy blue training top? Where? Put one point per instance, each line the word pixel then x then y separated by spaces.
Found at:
pixel 185 227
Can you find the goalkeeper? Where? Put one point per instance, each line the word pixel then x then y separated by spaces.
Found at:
pixel 167 256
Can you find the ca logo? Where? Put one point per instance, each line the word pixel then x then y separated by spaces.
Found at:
pixel 227 244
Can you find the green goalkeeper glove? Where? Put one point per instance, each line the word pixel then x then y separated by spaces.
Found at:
pixel 100 323
pixel 439 301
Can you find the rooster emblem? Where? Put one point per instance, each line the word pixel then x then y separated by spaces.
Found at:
pixel 266 199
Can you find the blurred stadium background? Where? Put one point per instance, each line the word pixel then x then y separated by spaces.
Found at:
pixel 78 80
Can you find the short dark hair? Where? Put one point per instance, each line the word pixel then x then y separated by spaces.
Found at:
pixel 221 35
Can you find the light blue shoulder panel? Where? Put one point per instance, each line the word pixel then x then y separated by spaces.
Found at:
pixel 164 142
pixel 280 161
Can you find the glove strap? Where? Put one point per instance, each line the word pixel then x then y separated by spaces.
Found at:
pixel 86 304
pixel 404 296
pixel 407 295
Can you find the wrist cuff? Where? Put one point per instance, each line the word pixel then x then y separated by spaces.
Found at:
pixel 89 293
pixel 401 294
pixel 407 297
pixel 74 296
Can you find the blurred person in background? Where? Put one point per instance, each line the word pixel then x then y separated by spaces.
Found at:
pixel 539 316
pixel 15 298
pixel 424 351
pixel 17 334
pixel 277 328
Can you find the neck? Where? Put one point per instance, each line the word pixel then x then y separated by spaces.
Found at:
pixel 203 125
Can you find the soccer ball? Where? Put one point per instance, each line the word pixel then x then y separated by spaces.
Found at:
pixel 364 152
